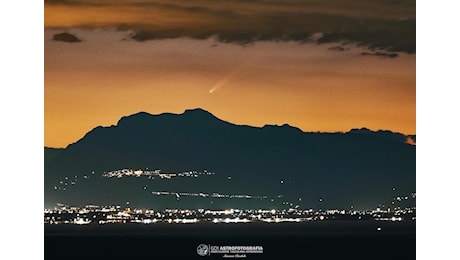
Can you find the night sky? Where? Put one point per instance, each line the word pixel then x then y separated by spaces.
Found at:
pixel 320 65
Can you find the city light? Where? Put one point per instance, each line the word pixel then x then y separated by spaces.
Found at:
pixel 102 215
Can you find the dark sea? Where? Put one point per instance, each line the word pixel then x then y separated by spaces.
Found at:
pixel 304 240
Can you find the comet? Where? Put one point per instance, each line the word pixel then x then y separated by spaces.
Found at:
pixel 222 82
pixel 227 78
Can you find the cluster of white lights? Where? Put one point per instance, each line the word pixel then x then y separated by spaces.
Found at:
pixel 213 195
pixel 116 214
pixel 230 220
pixel 137 173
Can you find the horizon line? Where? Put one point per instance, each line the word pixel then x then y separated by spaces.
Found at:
pixel 265 125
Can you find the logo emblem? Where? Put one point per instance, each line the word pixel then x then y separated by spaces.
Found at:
pixel 202 249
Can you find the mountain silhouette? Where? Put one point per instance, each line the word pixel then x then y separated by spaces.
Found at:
pixel 360 168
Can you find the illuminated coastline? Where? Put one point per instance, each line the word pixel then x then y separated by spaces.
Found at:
pixel 92 214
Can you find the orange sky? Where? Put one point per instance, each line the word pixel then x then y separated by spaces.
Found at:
pixel 106 76
pixel 305 85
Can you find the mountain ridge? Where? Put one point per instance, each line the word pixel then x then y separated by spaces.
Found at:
pixel 202 113
pixel 359 166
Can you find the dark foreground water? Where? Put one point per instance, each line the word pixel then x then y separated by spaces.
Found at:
pixel 306 240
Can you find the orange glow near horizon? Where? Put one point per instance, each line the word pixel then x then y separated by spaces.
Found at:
pixel 103 78
pixel 246 62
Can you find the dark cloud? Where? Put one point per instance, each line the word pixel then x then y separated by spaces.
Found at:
pixel 66 37
pixel 394 35
pixel 380 25
pixel 337 48
pixel 284 26
pixel 380 54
